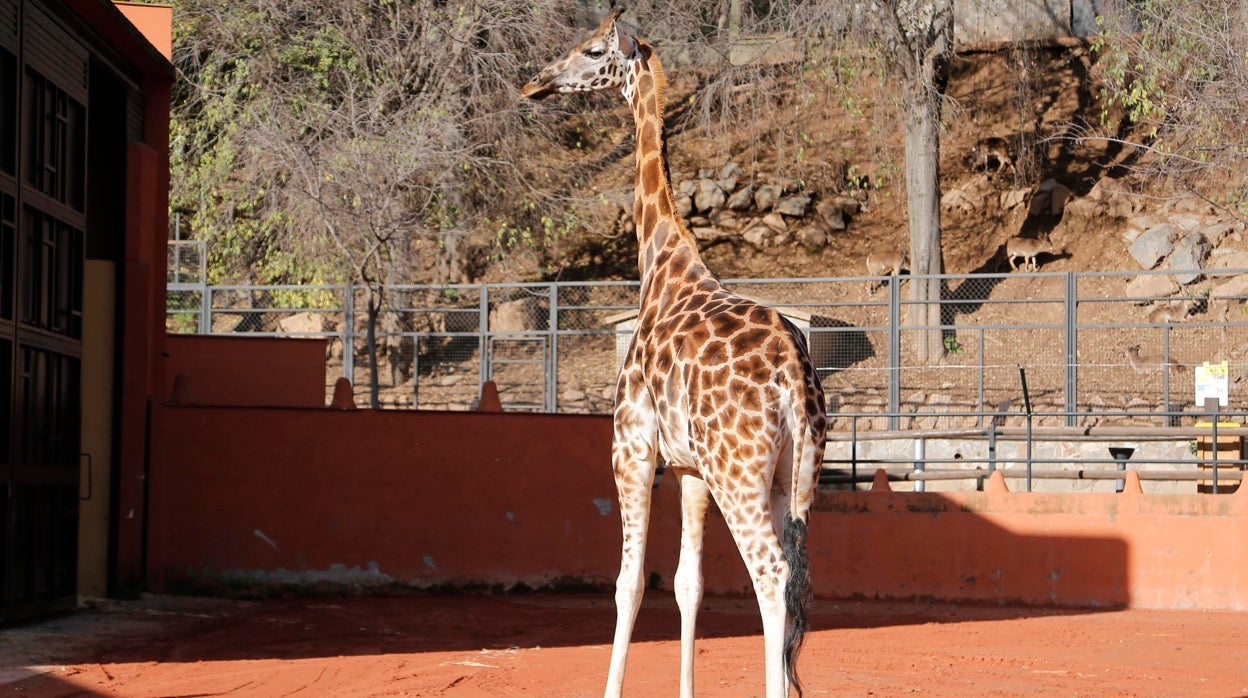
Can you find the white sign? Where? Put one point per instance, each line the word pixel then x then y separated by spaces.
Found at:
pixel 1211 381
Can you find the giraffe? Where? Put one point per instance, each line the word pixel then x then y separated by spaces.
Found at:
pixel 718 386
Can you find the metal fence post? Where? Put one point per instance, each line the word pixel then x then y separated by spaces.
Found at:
pixel 485 371
pixel 894 356
pixel 205 310
pixel 348 332
pixel 1165 374
pixel 979 419
pixel 1072 348
pixel 552 367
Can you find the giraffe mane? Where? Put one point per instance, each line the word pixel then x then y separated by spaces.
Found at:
pixel 651 60
pixel 655 66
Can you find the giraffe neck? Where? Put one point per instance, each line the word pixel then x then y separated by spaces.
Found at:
pixel 667 252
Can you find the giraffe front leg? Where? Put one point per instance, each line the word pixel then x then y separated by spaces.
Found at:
pixel 694 500
pixel 634 478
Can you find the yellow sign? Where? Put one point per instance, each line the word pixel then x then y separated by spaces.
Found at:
pixel 1211 381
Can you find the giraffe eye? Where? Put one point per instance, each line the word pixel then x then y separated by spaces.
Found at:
pixel 594 53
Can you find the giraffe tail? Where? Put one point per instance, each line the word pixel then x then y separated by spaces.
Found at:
pixel 797 594
pixel 808 423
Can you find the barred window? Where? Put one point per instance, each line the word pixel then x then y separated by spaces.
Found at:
pixel 56 139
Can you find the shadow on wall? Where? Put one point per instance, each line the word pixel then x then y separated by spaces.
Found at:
pixel 315 498
pixel 836 345
pixel 969 547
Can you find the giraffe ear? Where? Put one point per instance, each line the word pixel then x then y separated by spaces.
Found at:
pixel 623 42
pixel 628 45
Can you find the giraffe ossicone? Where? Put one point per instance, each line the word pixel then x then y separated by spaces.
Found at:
pixel 718 386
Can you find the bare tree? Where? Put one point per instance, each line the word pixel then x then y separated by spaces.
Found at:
pixel 355 141
pixel 917 43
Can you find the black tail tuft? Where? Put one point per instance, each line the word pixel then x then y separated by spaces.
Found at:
pixel 797 594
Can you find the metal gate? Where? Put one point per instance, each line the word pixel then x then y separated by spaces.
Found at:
pixel 519 366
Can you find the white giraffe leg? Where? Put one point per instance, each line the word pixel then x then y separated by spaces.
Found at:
pixel 694 499
pixel 634 459
pixel 760 550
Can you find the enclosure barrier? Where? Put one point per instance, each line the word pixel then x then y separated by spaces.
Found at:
pixel 1085 339
pixel 1163 456
pixel 435 500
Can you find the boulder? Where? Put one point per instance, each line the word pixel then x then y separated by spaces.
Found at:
pixel 709 196
pixel 1188 256
pixel 848 204
pixel 519 315
pixel 1153 245
pixel 1151 286
pixel 1014 197
pixel 730 169
pixel 831 215
pixel 793 205
pixel 1050 199
pixel 766 196
pixel 741 199
pixel 1137 225
pixel 959 200
pixel 1235 288
pixel 775 221
pixel 1224 258
pixel 1120 206
pixel 1085 208
pixel 1215 233
pixel 726 219
pixel 684 205
pixel 759 236
pixel 1190 222
pixel 710 234
pixel 811 237
pixel 1058 199
pixel 303 323
pixel 1191 204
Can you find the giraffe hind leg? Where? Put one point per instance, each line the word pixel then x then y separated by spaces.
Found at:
pixel 694 501
pixel 750 522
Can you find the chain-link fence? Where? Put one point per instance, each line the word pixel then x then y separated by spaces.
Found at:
pixel 1093 348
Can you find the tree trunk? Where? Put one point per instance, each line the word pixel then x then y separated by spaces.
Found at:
pixel 370 342
pixel 922 107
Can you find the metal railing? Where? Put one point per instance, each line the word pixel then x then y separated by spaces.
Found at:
pixel 1091 353
pixel 1208 457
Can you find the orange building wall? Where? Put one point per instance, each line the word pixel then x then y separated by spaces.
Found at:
pixel 154 22
pixel 251 371
pixel 287 496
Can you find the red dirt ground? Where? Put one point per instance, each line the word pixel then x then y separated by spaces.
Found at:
pixel 557 645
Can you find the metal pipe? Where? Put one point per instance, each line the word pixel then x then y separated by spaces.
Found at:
pixel 920 454
pixel 1121 454
pixel 1022 376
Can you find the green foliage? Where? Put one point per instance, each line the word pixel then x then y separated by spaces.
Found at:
pixel 1175 71
pixel 952 346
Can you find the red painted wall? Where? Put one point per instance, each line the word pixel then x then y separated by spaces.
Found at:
pixel 303 496
pixel 251 371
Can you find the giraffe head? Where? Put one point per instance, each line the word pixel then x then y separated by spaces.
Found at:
pixel 598 63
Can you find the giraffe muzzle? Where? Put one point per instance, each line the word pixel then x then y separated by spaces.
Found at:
pixel 538 88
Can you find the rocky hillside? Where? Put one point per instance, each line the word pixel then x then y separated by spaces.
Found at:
pixel 824 187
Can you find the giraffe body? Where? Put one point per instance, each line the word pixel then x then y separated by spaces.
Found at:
pixel 718 386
